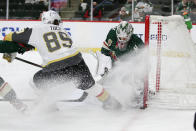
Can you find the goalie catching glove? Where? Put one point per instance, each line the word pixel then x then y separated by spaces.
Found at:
pixel 25 47
pixel 20 48
pixel 9 56
pixel 104 63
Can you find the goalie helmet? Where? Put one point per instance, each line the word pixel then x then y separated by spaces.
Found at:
pixel 124 31
pixel 50 16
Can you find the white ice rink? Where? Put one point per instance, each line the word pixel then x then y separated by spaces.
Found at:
pixel 85 116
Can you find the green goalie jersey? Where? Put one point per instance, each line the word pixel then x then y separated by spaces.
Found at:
pixel 111 45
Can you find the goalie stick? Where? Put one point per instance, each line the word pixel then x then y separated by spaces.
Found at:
pixel 97 77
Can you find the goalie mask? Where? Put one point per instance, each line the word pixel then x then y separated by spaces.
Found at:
pixel 50 16
pixel 124 31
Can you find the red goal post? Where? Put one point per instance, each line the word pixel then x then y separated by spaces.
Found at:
pixel 159 34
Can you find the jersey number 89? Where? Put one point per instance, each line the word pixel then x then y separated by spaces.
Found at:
pixel 52 41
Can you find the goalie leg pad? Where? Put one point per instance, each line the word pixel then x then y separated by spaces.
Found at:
pixel 105 62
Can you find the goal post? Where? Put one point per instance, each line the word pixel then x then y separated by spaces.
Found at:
pixel 172 57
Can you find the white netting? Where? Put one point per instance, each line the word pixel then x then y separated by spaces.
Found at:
pixel 177 61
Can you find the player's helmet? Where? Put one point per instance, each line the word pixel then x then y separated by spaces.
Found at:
pixel 50 17
pixel 124 31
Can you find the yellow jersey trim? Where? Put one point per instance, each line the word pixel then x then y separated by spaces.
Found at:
pixel 87 50
pixel 8 37
pixel 56 60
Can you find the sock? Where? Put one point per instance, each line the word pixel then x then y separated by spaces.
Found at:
pixel 99 92
pixel 7 92
pixel 103 96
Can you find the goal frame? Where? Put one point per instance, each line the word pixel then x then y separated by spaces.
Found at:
pixel 158 64
pixel 171 67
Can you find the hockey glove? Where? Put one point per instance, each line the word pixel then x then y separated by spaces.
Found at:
pixel 9 56
pixel 25 47
pixel 104 63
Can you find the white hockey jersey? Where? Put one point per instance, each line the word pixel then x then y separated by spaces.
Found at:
pixel 52 42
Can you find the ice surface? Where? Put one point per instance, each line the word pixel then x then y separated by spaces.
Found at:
pixel 85 116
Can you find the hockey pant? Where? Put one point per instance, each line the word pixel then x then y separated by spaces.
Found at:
pixel 79 74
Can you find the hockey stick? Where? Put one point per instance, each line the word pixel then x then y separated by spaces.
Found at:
pixel 28 62
pixel 81 99
pixel 84 95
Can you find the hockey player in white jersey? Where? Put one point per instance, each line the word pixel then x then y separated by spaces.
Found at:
pixel 61 61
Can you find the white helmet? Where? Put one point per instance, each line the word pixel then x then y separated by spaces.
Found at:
pixel 50 16
pixel 124 31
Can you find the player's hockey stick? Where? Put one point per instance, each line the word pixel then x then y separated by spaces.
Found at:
pixel 28 62
pixel 84 95
pixel 81 99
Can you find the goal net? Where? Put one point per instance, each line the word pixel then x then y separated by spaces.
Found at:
pixel 172 63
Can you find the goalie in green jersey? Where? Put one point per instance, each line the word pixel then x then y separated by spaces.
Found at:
pixel 6 91
pixel 119 41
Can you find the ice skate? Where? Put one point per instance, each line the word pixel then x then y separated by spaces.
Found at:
pixel 19 105
pixel 111 104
